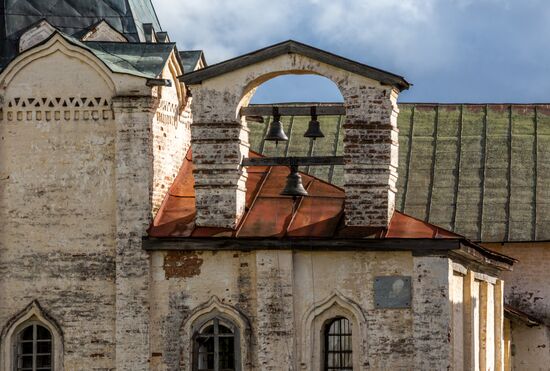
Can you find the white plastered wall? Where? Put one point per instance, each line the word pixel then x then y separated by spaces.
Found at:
pixel 57 204
pixel 477 332
pixel 76 183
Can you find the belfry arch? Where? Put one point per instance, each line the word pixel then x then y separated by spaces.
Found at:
pixel 297 89
pixel 220 135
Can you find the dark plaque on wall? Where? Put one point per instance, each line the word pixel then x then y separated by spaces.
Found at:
pixel 392 292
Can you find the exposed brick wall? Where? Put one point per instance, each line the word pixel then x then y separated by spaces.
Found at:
pixel 370 155
pixel 171 135
pixel 220 141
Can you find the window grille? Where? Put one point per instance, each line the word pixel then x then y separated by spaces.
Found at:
pixel 338 345
pixel 34 349
pixel 215 347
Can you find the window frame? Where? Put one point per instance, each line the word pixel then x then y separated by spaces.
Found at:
pixel 218 320
pixel 325 341
pixel 17 341
pixel 32 312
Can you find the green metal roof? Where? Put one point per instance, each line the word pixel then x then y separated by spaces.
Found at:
pixel 190 59
pixel 139 59
pixel 72 17
pixel 482 171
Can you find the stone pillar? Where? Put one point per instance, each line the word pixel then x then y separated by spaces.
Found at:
pixel 469 322
pixel 499 325
pixel 134 178
pixel 219 141
pixel 483 304
pixel 432 313
pixel 275 332
pixel 370 155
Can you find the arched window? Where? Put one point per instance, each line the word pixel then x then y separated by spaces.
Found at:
pixel 338 346
pixel 216 346
pixel 33 348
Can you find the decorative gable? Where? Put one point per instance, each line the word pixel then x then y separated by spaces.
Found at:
pixel 103 32
pixel 40 32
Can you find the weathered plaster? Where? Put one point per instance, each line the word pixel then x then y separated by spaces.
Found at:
pixel 78 175
pixel 220 140
pixel 526 290
pixel 278 291
pixel 57 236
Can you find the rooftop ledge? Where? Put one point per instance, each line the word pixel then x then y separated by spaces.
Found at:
pixel 456 249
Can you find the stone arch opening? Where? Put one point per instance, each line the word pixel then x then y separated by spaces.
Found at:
pixel 220 138
pixel 297 88
pixel 306 91
pixel 250 88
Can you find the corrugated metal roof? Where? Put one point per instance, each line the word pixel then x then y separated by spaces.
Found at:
pixel 72 17
pixel 271 215
pixel 481 171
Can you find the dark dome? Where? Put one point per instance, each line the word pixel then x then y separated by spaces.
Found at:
pixel 73 17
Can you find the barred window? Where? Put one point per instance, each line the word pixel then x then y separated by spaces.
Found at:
pixel 215 347
pixel 338 345
pixel 33 349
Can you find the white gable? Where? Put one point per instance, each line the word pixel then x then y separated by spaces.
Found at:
pixel 35 35
pixel 104 32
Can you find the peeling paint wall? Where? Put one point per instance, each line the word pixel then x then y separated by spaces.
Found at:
pixel 84 156
pixel 57 204
pixel 527 289
pixel 529 347
pixel 171 135
pixel 432 313
pixel 276 290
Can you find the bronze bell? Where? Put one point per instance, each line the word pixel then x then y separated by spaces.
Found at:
pixel 314 128
pixel 294 186
pixel 276 132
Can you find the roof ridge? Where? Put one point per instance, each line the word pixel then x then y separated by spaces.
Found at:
pixel 291 46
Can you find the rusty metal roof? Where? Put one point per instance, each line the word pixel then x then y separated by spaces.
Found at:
pixel 268 214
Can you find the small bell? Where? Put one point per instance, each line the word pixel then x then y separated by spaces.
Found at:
pixel 314 128
pixel 276 132
pixel 294 186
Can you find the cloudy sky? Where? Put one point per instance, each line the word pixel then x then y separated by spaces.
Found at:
pixel 451 50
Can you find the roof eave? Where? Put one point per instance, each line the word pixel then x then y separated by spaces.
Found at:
pixel 294 47
pixel 483 256
pixel 520 316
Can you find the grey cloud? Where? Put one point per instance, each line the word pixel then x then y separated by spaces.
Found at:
pixel 452 50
